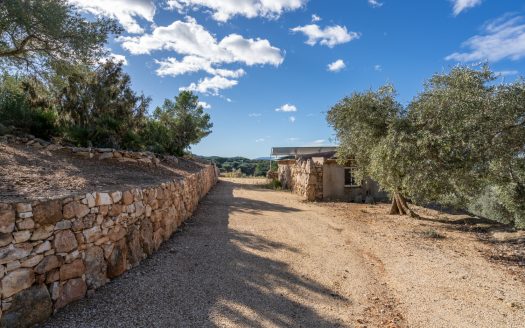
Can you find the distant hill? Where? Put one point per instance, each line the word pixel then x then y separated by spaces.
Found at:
pixel 242 165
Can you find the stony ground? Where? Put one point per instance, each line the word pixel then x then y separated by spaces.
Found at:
pixel 253 257
pixel 29 174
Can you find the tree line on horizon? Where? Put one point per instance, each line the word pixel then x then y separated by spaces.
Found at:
pixel 58 81
pixel 460 142
pixel 241 166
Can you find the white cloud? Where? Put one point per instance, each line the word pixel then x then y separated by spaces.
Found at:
pixel 125 11
pixel 461 5
pixel 375 3
pixel 293 139
pixel 190 64
pixel 503 38
pixel 204 105
pixel 260 140
pixel 319 142
pixel 201 51
pixel 292 119
pixel 506 73
pixel 116 58
pixel 255 115
pixel 330 36
pixel 336 66
pixel 315 18
pixel 211 85
pixel 223 10
pixel 286 108
pixel 378 68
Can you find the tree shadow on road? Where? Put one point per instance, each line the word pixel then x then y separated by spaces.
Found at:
pixel 209 275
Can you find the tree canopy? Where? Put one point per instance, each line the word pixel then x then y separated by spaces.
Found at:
pixel 37 34
pixel 461 139
pixel 176 125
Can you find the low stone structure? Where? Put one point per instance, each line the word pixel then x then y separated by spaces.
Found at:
pixel 54 252
pixel 317 178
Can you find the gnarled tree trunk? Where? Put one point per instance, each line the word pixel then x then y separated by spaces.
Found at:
pixel 400 206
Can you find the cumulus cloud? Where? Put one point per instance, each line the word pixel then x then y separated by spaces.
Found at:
pixel 190 64
pixel 224 10
pixel 201 50
pixel 329 36
pixel 204 105
pixel 286 108
pixel 503 38
pixel 315 18
pixel 375 3
pixel 116 58
pixel 336 66
pixel 461 5
pixel 260 140
pixel 211 85
pixel 125 11
pixel 378 68
pixel 292 119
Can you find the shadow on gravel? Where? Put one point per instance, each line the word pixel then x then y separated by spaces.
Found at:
pixel 208 276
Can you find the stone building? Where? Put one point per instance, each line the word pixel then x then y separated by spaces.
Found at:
pixel 313 173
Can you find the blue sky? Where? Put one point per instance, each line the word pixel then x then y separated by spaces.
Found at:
pixel 270 69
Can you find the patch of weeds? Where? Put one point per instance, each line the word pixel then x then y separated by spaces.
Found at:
pixel 431 233
pixel 274 184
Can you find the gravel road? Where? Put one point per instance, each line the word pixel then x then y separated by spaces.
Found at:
pixel 252 257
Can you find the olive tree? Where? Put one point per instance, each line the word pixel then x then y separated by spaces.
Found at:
pixel 461 138
pixel 37 34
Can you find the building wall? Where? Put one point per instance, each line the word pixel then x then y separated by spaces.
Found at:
pixel 321 179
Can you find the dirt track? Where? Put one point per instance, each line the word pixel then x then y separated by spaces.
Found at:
pixel 253 257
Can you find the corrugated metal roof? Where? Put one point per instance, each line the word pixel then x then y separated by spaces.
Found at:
pixel 300 151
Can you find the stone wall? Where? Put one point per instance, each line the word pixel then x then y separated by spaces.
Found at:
pixel 58 251
pixel 302 177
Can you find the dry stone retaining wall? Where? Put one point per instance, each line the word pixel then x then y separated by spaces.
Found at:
pixel 303 177
pixel 58 251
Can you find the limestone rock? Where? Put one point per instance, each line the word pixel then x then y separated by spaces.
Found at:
pixel 75 209
pixel 95 267
pixel 116 196
pixel 72 270
pixel 21 236
pixel 7 219
pixel 73 290
pixel 14 252
pixel 17 280
pixel 23 207
pixel 65 241
pixel 92 234
pixel 5 239
pixel 135 252
pixel 90 200
pixel 117 260
pixel 103 198
pixel 26 224
pixel 28 308
pixel 146 237
pixel 127 197
pixel 42 233
pixel 48 213
pixel 47 264
pixel 32 261
pixel 43 247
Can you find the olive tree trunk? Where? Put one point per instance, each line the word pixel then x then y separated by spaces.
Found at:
pixel 400 206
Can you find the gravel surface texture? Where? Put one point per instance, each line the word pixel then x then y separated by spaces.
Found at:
pixel 253 257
